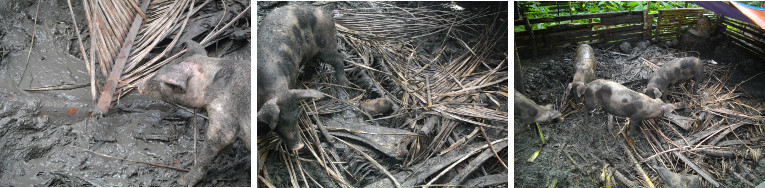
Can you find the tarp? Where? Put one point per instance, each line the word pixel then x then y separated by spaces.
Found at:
pixel 739 11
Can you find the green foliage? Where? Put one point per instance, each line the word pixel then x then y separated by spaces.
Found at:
pixel 537 10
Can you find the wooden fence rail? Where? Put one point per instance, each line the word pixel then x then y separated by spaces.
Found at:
pixel 612 28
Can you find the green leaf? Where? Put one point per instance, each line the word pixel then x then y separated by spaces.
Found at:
pixel 593 9
pixel 639 7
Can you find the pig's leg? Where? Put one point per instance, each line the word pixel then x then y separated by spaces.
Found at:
pixel 334 58
pixel 589 104
pixel 290 134
pixel 634 123
pixel 220 133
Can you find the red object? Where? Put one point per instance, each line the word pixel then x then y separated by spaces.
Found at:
pixel 756 14
pixel 73 110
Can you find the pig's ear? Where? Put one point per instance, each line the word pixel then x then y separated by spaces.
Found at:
pixel 194 48
pixel 269 113
pixel 580 87
pixel 299 94
pixel 179 77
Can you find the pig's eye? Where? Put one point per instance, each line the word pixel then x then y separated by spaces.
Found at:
pixel 175 88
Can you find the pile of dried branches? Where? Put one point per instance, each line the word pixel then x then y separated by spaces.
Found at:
pixel 463 91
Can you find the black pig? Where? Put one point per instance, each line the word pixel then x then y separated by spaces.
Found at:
pixel 220 86
pixel 619 100
pixel 674 72
pixel 289 37
pixel 527 111
pixel 585 70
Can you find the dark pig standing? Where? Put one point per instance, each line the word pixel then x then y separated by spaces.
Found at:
pixel 674 72
pixel 289 37
pixel 527 111
pixel 220 86
pixel 585 70
pixel 618 100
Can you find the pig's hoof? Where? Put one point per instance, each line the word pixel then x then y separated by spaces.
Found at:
pixel 297 146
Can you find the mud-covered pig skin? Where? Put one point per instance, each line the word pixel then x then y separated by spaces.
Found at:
pixel 675 72
pixel 618 100
pixel 527 111
pixel 290 37
pixel 585 71
pixel 220 86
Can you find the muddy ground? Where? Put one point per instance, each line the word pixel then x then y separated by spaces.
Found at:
pixel 276 166
pixel 592 146
pixel 49 138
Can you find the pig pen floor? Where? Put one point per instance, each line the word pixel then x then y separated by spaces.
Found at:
pixel 576 153
pixel 46 137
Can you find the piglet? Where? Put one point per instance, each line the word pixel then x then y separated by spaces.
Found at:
pixel 585 70
pixel 618 100
pixel 220 86
pixel 674 72
pixel 527 111
pixel 290 37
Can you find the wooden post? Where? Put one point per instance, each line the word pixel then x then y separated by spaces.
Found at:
pixel 718 23
pixel 658 26
pixel 646 25
pixel 518 76
pixel 530 31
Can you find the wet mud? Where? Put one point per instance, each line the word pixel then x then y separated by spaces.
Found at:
pixel 51 138
pixel 575 152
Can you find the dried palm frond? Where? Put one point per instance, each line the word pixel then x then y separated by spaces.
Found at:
pixel 110 22
pixel 392 23
pixel 386 35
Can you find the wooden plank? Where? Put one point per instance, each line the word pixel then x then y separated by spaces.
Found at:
pixel 584 16
pixel 743 46
pixel 549 3
pixel 622 19
pixel 564 27
pixel 742 26
pixel 746 39
pixel 615 37
pixel 609 44
pixel 560 8
pixel 602 33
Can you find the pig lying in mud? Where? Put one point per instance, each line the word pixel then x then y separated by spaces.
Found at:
pixel 674 72
pixel 618 100
pixel 220 86
pixel 585 71
pixel 527 111
pixel 289 37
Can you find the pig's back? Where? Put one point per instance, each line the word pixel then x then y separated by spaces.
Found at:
pixel 676 71
pixel 288 37
pixel 294 34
